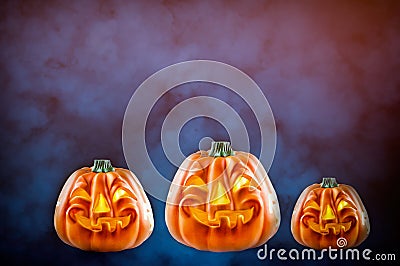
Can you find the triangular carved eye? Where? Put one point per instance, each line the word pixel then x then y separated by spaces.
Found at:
pixel 195 180
pixel 240 183
pixel 81 193
pixel 344 205
pixel 121 193
pixel 311 204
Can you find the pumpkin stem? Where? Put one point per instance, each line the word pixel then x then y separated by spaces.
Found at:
pixel 221 149
pixel 102 166
pixel 329 182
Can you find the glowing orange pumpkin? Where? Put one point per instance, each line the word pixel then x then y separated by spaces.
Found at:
pixel 103 209
pixel 223 201
pixel 328 211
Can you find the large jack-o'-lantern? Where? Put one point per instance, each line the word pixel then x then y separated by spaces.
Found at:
pixel 222 201
pixel 103 209
pixel 328 212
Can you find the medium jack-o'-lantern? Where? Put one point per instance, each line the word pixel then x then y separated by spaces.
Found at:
pixel 328 212
pixel 103 209
pixel 222 201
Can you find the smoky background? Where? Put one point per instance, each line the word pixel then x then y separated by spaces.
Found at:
pixel 330 71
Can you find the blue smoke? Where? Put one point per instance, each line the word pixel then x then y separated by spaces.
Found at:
pixel 329 70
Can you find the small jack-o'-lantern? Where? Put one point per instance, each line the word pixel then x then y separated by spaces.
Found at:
pixel 103 209
pixel 328 212
pixel 222 201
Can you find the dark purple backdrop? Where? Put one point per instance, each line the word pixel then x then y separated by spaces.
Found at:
pixel 330 70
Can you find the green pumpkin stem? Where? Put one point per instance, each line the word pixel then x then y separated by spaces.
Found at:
pixel 329 182
pixel 102 166
pixel 221 149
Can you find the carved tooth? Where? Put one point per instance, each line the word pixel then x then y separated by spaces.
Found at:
pixel 226 220
pixel 109 222
pixel 241 218
pixel 316 228
pixel 112 225
pixel 346 226
pixel 248 215
pixel 336 228
pixel 83 221
pixel 228 216
pixel 125 221
pixel 199 215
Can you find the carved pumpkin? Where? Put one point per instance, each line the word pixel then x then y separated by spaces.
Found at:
pixel 222 201
pixel 103 209
pixel 328 211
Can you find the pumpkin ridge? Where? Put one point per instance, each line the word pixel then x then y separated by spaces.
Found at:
pixel 100 222
pixel 335 219
pixel 226 224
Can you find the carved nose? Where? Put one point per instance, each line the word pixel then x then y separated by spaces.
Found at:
pixel 101 204
pixel 328 213
pixel 219 195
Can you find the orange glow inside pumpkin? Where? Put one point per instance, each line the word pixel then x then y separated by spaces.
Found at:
pixel 100 208
pixel 222 200
pixel 326 219
pixel 219 197
pixel 103 209
pixel 230 216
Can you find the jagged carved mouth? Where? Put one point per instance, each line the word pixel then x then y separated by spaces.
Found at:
pixel 334 227
pixel 109 222
pixel 229 217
